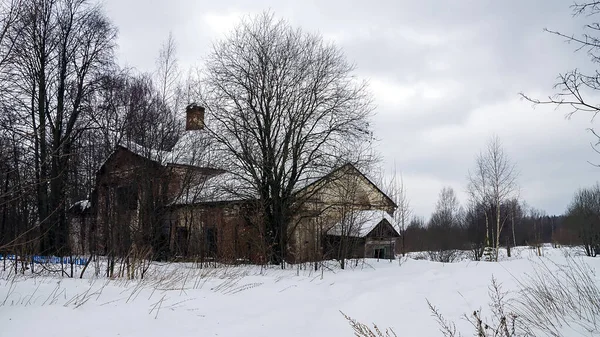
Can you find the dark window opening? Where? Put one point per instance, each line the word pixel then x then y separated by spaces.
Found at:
pixel 127 197
pixel 379 253
pixel 181 240
pixel 211 241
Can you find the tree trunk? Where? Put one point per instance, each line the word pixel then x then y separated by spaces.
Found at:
pixel 497 243
pixel 42 162
pixel 513 229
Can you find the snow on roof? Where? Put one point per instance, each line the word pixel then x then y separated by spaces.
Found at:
pixel 218 188
pixel 81 206
pixel 359 223
pixel 306 181
pixel 152 154
pixel 190 149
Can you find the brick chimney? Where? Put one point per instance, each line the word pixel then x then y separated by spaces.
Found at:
pixel 194 119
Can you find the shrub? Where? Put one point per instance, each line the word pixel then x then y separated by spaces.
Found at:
pixel 363 330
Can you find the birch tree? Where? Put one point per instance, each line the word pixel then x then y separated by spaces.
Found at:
pixel 494 182
pixel 168 75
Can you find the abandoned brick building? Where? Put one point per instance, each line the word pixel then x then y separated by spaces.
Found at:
pixel 172 204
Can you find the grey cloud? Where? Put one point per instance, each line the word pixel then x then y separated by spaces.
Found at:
pixel 484 53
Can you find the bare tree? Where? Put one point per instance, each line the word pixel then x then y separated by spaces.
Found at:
pixel 444 227
pixel 17 185
pixel 576 89
pixel 476 226
pixel 397 191
pixel 447 206
pixel 537 219
pixel 60 47
pixel 479 193
pixel 110 101
pixel 515 214
pixel 583 217
pixel 10 13
pixel 149 122
pixel 168 75
pixel 492 183
pixel 416 235
pixel 284 106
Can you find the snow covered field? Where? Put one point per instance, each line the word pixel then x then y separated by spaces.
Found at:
pixel 179 300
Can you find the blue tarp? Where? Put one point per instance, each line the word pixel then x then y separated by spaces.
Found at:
pixel 80 261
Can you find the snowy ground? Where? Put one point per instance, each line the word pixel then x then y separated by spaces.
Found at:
pixel 180 300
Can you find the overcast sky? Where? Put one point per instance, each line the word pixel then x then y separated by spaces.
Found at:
pixel 445 76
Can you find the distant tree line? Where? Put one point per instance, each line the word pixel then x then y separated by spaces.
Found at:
pixel 466 232
pixel 496 217
pixel 454 228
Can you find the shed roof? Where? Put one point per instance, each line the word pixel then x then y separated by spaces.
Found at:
pixel 359 223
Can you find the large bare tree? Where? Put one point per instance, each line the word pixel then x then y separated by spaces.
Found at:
pixel 492 183
pixel 284 105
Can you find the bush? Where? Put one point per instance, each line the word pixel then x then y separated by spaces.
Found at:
pixel 445 256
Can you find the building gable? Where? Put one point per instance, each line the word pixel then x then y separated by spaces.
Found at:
pixel 383 229
pixel 122 159
pixel 347 185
